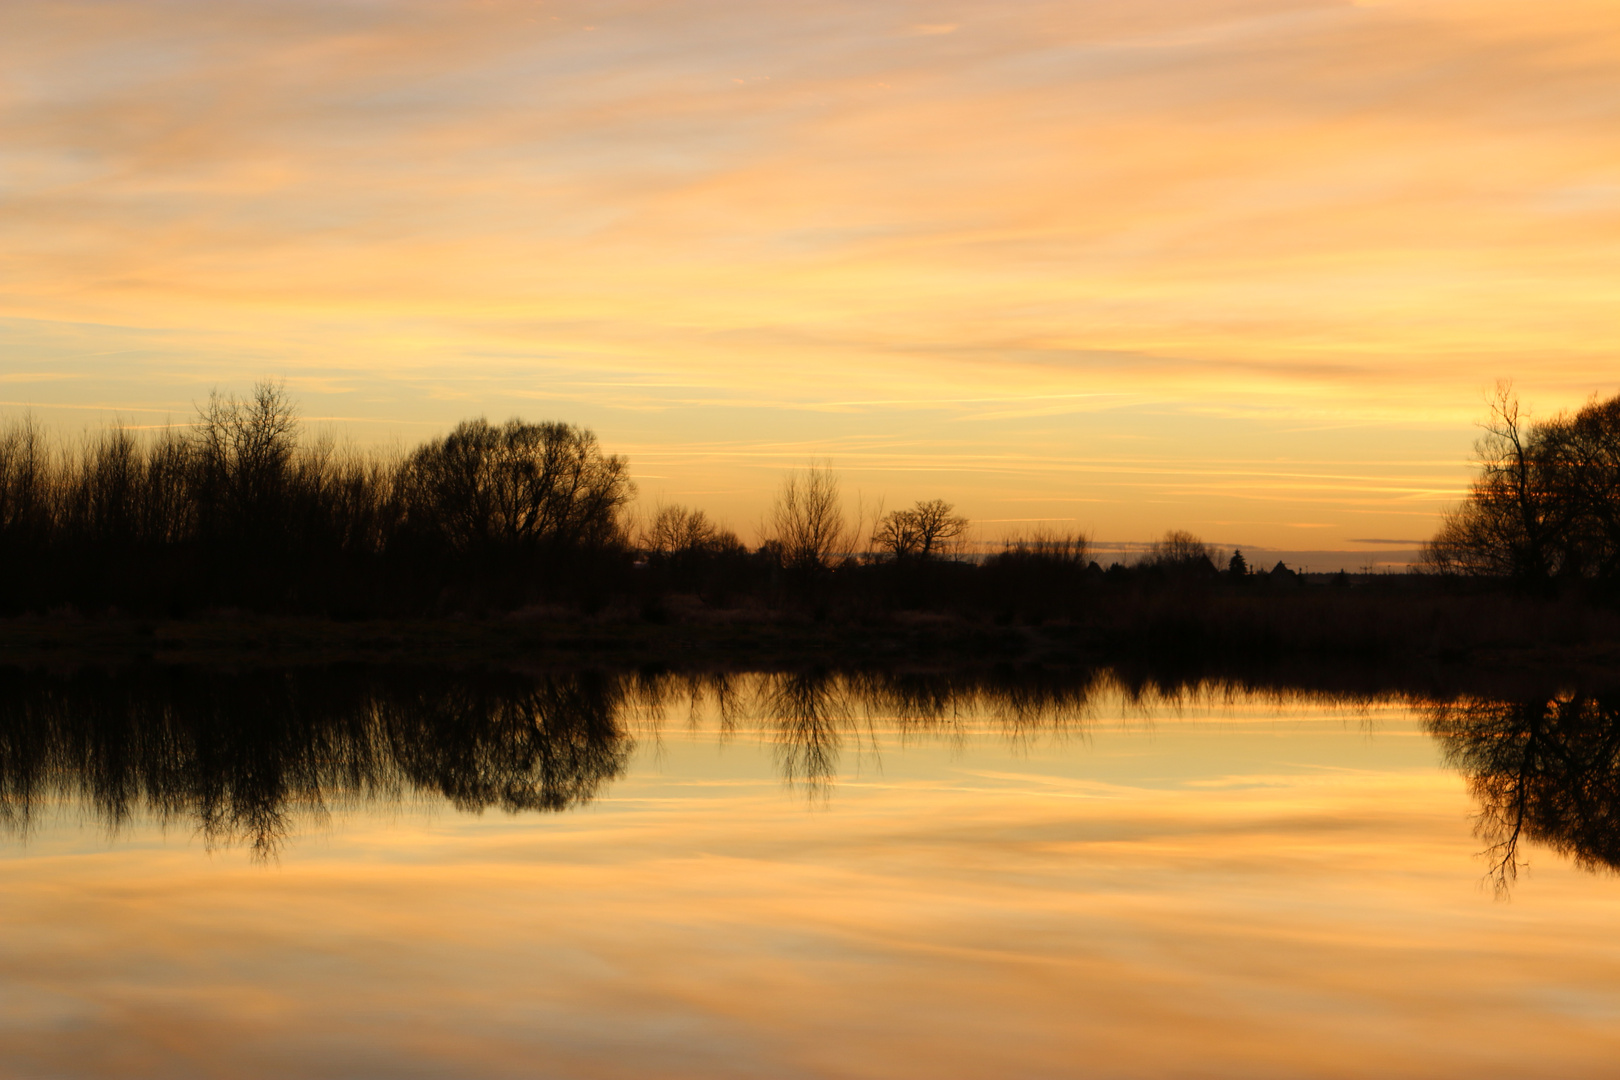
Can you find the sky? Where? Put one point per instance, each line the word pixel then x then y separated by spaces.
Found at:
pixel 1244 267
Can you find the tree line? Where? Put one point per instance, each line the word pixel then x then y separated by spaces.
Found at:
pixel 243 509
pixel 240 509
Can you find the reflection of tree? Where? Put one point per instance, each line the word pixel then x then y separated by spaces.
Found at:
pixel 240 755
pixel 1546 769
pixel 541 746
pixel 811 712
pixel 808 710
pixel 245 758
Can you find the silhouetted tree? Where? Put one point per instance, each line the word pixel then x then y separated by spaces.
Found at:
pixel 518 485
pixel 807 519
pixel 679 530
pixel 922 532
pixel 689 553
pixel 1177 549
pixel 25 485
pixel 241 458
pixel 1503 528
pixel 1046 548
pixel 1545 502
pixel 1582 467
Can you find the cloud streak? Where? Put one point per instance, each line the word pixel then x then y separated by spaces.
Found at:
pixel 1245 207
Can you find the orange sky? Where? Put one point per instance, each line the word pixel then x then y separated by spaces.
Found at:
pixel 1242 266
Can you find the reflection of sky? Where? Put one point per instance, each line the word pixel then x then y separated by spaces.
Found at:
pixel 968 249
pixel 1234 892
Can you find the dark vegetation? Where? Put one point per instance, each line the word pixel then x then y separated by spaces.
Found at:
pixel 521 536
pixel 240 511
pixel 1545 506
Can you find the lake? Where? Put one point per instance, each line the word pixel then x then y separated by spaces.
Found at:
pixel 410 873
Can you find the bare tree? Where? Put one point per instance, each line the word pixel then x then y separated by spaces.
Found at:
pixel 1176 548
pixel 241 456
pixel 103 503
pixel 26 482
pixel 927 529
pixel 166 510
pixel 1515 509
pixel 1045 547
pixel 807 519
pixel 896 535
pixel 677 531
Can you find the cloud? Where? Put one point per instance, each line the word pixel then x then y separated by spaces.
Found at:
pixel 1240 208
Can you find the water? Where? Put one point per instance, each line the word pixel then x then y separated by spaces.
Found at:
pixel 348 874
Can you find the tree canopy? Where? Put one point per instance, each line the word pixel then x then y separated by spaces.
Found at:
pixel 1545 502
pixel 515 485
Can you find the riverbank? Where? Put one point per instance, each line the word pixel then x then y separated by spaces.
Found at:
pixel 1417 641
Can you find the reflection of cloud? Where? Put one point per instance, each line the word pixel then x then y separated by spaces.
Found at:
pixel 1000 911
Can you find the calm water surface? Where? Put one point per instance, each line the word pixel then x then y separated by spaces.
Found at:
pixel 405 874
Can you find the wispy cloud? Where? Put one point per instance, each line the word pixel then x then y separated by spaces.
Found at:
pixel 1010 217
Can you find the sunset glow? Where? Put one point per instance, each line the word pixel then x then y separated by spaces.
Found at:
pixel 1239 266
